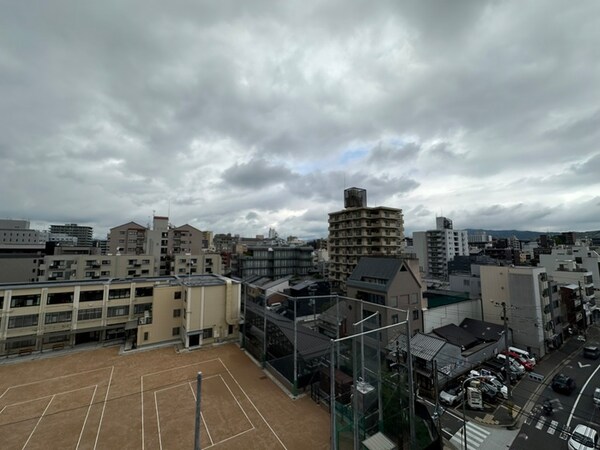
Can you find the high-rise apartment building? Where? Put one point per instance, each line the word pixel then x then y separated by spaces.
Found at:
pixel 436 248
pixel 359 230
pixel 82 233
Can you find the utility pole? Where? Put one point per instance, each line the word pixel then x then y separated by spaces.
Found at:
pixel 437 400
pixel 197 421
pixel 506 360
pixel 411 384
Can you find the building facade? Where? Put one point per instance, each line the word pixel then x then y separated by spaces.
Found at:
pixel 191 311
pixel 83 234
pixel 532 305
pixel 391 282
pixel 359 230
pixel 436 248
pixel 274 262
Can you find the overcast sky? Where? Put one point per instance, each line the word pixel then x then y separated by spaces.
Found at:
pixel 236 116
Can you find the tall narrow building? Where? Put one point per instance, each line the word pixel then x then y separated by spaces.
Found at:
pixel 436 248
pixel 359 230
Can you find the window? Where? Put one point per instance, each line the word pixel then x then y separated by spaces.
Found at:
pixel 415 314
pixel 106 262
pixel 29 320
pixel 91 296
pixel 207 333
pixel 58 317
pixel 177 313
pixel 1 302
pixel 59 298
pixel 414 299
pixel 13 345
pixel 176 331
pixel 145 261
pixel 230 329
pixel 22 301
pixel 394 318
pixel 144 291
pixel 114 311
pixel 89 314
pixel 146 335
pixel 141 308
pixel 119 293
pixel 177 295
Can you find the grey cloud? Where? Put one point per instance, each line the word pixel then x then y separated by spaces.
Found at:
pixel 255 174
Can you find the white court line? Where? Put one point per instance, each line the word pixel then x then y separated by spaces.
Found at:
pixel 183 383
pixel 86 417
pixel 142 397
pixel 180 367
pixel 157 421
pixel 236 400
pixel 38 422
pixel 154 373
pixel 552 428
pixel 45 396
pixel 104 407
pixel 202 415
pixel 252 403
pixel 229 438
pixel 54 378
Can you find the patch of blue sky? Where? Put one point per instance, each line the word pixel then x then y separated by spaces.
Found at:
pixel 351 155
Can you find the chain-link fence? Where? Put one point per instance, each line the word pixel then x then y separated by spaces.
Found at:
pixel 341 351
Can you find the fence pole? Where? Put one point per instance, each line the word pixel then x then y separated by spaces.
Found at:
pixel 332 395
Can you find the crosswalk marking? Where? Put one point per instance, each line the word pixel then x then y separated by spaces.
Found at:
pixel 540 424
pixel 475 436
pixel 552 428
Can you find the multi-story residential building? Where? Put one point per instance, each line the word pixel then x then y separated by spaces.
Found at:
pixel 83 234
pixel 86 267
pixel 20 267
pixel 129 238
pixel 18 233
pixel 193 311
pixel 586 259
pixel 359 230
pixel 391 282
pixel 532 305
pixel 274 262
pixel 190 264
pixel 436 248
pixel 163 241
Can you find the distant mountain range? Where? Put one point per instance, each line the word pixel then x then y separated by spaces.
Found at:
pixel 530 235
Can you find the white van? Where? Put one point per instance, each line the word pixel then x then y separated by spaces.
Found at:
pixel 525 355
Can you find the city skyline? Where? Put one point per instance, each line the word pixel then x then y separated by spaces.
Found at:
pixel 240 118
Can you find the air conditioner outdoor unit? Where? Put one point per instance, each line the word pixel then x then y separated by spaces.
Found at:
pixel 142 321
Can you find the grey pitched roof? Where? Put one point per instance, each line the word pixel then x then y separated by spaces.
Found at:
pixel 483 330
pixel 457 335
pixel 384 269
pixel 423 346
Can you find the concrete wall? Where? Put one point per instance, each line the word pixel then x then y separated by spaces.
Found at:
pixel 448 314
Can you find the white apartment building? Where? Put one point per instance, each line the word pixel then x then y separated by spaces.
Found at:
pixel 585 259
pixel 18 233
pixel 532 311
pixel 435 248
pixel 192 311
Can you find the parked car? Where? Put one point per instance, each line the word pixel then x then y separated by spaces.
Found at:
pixel 514 366
pixel 597 397
pixel 583 438
pixel 524 355
pixel 497 368
pixel 591 352
pixel 518 358
pixel 452 395
pixel 501 389
pixel 563 384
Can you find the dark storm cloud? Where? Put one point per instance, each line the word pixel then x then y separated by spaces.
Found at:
pixel 111 110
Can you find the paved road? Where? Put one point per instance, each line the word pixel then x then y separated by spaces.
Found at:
pixel 569 411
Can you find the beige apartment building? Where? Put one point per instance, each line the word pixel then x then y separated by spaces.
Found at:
pixel 190 311
pixel 93 267
pixel 358 231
